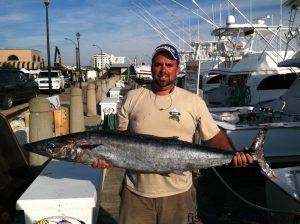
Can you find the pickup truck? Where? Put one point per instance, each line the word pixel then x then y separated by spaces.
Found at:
pixel 57 79
pixel 15 86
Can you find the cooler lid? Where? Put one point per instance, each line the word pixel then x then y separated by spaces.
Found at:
pixel 63 183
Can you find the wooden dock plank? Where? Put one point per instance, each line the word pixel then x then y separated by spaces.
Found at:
pixel 110 199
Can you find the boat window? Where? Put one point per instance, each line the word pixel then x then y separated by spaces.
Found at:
pixel 235 80
pixel 215 79
pixel 277 82
pixel 180 82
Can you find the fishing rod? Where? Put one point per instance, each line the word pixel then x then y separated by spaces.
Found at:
pixel 159 32
pixel 156 19
pixel 195 13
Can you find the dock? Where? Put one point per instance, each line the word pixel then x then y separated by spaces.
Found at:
pixel 110 198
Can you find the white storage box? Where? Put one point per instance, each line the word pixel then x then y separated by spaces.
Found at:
pixel 63 189
pixel 120 84
pixel 108 106
pixel 115 92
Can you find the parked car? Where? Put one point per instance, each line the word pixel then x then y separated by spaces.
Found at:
pixel 67 78
pixel 15 86
pixel 57 79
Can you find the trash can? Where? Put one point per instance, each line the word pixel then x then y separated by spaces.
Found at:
pixel 110 121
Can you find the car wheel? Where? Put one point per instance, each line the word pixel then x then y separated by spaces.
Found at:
pixel 7 101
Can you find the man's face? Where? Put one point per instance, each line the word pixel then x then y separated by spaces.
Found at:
pixel 164 71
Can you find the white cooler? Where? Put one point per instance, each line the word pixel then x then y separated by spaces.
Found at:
pixel 114 92
pixel 108 106
pixel 120 84
pixel 63 189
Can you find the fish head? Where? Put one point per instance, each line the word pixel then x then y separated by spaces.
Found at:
pixel 69 149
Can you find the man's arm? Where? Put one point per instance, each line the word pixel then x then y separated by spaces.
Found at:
pixel 222 141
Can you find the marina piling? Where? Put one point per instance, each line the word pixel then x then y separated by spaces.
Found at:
pixel 76 111
pixel 91 109
pixel 41 126
pixel 98 91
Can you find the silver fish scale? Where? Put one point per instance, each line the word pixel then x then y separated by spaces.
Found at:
pixel 160 157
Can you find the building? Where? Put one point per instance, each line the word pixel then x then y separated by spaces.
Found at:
pixel 104 60
pixel 117 59
pixel 29 59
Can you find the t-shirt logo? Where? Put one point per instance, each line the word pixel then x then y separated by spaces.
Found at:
pixel 174 115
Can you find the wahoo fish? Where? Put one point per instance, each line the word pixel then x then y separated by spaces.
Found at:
pixel 144 153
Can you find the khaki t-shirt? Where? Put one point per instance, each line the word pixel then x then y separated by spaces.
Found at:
pixel 179 114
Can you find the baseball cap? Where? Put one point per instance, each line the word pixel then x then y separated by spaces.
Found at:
pixel 169 48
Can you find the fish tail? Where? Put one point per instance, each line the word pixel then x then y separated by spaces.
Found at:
pixel 258 152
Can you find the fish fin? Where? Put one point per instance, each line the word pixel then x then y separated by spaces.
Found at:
pixel 258 152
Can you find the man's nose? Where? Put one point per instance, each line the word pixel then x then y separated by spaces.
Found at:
pixel 163 68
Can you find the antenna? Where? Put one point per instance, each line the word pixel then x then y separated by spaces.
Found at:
pixel 211 20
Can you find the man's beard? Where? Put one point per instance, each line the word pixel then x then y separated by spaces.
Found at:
pixel 162 83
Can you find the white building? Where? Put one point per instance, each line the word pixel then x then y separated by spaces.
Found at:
pixel 103 60
pixel 117 59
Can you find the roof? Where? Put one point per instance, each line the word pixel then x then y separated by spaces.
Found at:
pixel 294 62
pixel 120 65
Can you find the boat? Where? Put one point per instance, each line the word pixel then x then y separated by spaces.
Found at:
pixel 143 74
pixel 281 196
pixel 203 57
pixel 280 201
pixel 261 91
pixel 250 75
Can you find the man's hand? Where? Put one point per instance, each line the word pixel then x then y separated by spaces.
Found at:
pixel 241 159
pixel 102 164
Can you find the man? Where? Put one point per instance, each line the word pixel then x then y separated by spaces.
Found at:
pixel 165 110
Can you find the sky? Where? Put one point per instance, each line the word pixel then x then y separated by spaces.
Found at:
pixel 121 27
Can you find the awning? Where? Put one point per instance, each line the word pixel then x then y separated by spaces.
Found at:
pixel 29 65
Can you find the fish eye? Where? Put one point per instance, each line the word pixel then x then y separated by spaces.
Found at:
pixel 51 145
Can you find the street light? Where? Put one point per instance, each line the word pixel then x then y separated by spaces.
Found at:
pixel 80 75
pixel 47 2
pixel 76 51
pixel 95 45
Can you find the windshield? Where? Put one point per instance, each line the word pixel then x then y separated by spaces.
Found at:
pixel 45 74
pixel 6 77
pixel 66 75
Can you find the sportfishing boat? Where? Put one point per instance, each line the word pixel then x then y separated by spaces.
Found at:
pixel 262 89
pixel 143 73
pixel 281 196
pixel 201 60
pixel 282 118
pixel 250 75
